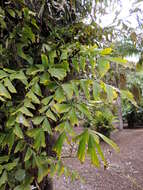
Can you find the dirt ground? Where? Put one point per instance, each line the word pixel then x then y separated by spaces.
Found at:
pixel 125 170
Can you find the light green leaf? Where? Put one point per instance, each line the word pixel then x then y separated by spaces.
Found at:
pixel 46 126
pixel 85 87
pixel 25 111
pixel 103 66
pixel 83 109
pixel 33 97
pixel 109 141
pixel 129 96
pixel 37 90
pixel 21 119
pixel 20 175
pixel 44 59
pixel 46 100
pixel 18 132
pixel 9 85
pixel 68 88
pixel 3 74
pixel 61 108
pixel 38 120
pixel 73 117
pixel 57 73
pixel 111 93
pixel 28 154
pixel 106 51
pixel 51 115
pixel 3 178
pixel 19 76
pixel 59 95
pixel 96 91
pixel 4 92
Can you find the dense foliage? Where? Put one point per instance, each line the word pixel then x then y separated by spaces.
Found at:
pixel 49 69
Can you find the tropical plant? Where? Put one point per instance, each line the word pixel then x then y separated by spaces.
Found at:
pixel 48 73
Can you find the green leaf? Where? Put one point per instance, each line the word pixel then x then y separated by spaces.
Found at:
pixel 9 85
pixel 103 66
pixel 68 88
pixel 111 93
pixel 73 117
pixel 4 159
pixel 19 76
pixel 129 96
pixel 33 97
pixel 44 60
pixel 51 115
pixel 59 95
pixel 28 104
pixel 85 87
pixel 38 120
pixel 3 178
pixel 59 143
pixel 19 147
pixel 96 91
pixel 57 73
pixel 61 108
pixel 65 127
pixel 39 140
pixel 10 166
pixel 11 12
pixel 20 175
pixel 4 92
pixel 42 172
pixel 82 145
pixel 83 109
pixel 46 100
pixel 3 74
pixel 46 126
pixel 28 154
pixel 37 90
pixel 106 51
pixel 21 119
pixel 75 88
pixel 109 141
pixel 83 62
pixel 18 132
pixel 91 150
pixel 25 111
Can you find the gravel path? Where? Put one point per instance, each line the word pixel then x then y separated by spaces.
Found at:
pixel 125 171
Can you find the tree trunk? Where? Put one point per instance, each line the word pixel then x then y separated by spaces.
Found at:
pixel 120 113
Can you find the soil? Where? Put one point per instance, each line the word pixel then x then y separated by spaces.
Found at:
pixel 124 171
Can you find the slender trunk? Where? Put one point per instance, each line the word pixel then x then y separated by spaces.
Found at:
pixel 119 103
pixel 120 113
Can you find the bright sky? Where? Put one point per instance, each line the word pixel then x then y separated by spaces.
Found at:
pixel 130 19
pixel 124 9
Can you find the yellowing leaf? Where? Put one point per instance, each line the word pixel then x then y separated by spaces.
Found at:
pixel 61 108
pixel 106 51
